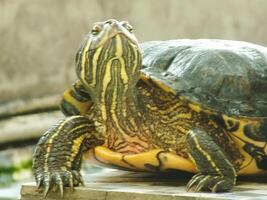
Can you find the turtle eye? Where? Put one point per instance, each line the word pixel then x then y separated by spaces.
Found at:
pixel 127 26
pixel 96 29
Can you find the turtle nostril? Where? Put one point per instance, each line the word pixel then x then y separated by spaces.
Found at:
pixel 110 21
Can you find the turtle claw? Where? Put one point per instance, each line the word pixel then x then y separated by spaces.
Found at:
pixel 46 190
pixel 47 184
pixel 82 181
pixel 57 181
pixel 220 186
pixel 71 184
pixel 77 178
pixel 203 184
pixel 213 183
pixel 39 184
pixel 68 180
pixel 61 190
pixel 193 181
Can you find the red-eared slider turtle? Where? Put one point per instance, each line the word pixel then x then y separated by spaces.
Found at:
pixel 193 105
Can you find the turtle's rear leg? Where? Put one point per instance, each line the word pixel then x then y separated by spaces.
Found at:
pixel 216 172
pixel 58 154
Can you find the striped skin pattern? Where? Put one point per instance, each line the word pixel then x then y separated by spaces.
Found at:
pixel 66 136
pixel 219 172
pixel 110 75
pixel 123 121
pixel 75 101
pixel 107 65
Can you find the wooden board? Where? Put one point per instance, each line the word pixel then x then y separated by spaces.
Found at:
pixel 119 185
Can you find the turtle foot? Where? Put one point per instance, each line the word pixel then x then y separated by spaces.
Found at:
pixel 212 183
pixel 57 180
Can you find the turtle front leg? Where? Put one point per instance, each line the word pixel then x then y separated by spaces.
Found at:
pixel 216 172
pixel 58 154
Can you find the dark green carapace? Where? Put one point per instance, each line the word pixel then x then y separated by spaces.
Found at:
pixel 194 105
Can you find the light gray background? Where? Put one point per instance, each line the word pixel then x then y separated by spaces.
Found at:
pixel 39 38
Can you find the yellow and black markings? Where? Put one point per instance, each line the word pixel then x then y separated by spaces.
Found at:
pixel 153 160
pixel 207 155
pixel 250 140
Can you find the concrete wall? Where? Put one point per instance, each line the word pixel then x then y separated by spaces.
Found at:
pixel 39 38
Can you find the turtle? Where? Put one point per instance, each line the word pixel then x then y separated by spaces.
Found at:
pixel 193 105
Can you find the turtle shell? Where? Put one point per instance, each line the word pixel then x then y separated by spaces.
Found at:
pixel 226 76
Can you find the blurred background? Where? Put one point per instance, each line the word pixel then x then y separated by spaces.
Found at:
pixel 39 40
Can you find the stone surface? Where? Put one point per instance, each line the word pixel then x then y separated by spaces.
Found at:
pixel 39 39
pixel 118 185
pixel 29 105
pixel 27 127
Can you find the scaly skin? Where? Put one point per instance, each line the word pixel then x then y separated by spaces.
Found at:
pixel 58 155
pixel 216 172
pixel 113 50
pixel 169 136
pixel 110 106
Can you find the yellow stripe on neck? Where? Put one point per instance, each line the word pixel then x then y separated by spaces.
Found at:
pixel 84 54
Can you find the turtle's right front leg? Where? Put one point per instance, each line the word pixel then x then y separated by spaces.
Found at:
pixel 58 154
pixel 216 172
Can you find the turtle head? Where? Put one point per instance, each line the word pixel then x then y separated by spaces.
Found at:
pixel 109 57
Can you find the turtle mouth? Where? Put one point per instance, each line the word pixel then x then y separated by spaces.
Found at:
pixel 130 39
pixel 126 37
